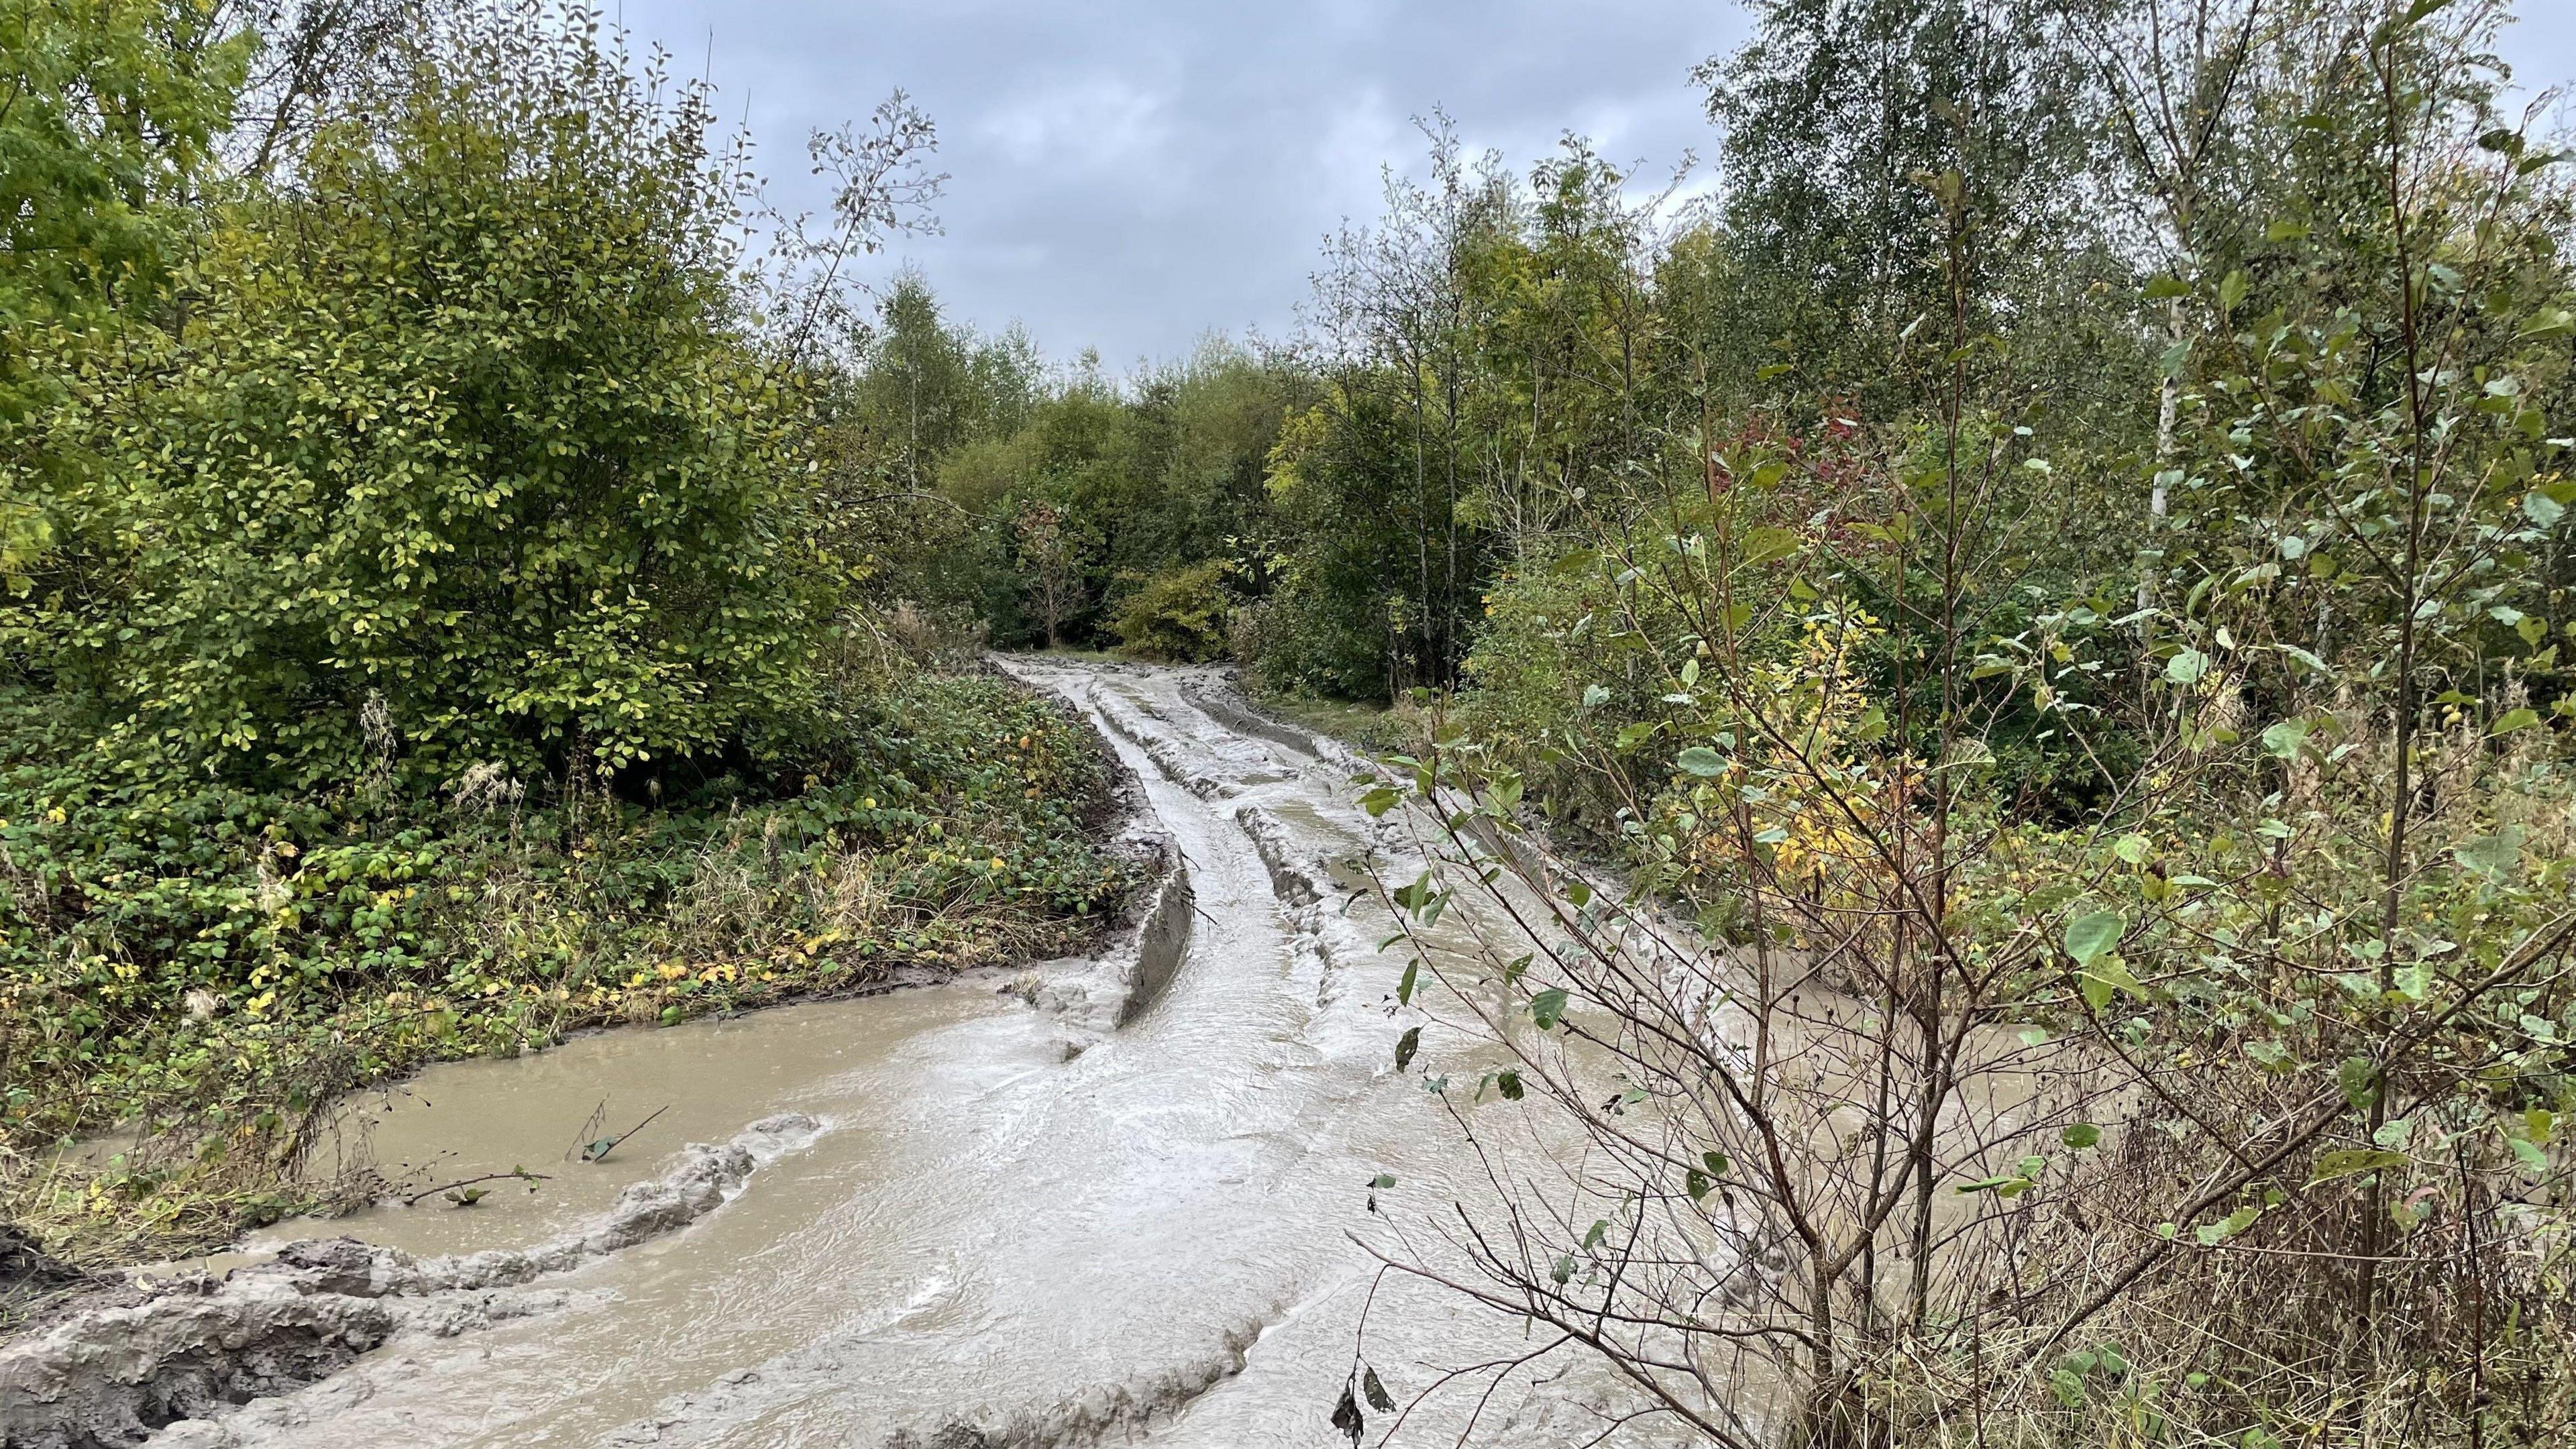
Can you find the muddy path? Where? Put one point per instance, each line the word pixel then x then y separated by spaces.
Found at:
pixel 1034 1209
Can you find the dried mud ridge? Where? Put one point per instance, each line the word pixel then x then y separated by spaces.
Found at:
pixel 199 1347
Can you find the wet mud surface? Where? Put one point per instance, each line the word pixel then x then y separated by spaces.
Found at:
pixel 1099 1201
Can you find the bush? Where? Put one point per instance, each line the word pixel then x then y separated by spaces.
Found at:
pixel 462 433
pixel 1178 616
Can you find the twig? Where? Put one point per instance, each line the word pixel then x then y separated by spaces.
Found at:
pixel 599 1150
pixel 520 1173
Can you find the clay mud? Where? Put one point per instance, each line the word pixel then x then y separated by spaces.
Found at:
pixel 1109 1200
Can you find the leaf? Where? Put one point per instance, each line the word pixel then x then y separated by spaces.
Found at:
pixel 1379 1399
pixel 1697 1183
pixel 2493 856
pixel 2213 1234
pixel 1404 986
pixel 2132 848
pixel 2105 976
pixel 1406 1045
pixel 2516 719
pixel 1595 695
pixel 1382 1180
pixel 2549 322
pixel 1380 800
pixel 1700 760
pixel 2161 288
pixel 1547 1008
pixel 1563 1272
pixel 1600 1230
pixel 2353 1162
pixel 2285 231
pixel 2282 740
pixel 2186 667
pixel 1346 1417
pixel 1510 1083
pixel 2081 1135
pixel 2088 936
pixel 1761 545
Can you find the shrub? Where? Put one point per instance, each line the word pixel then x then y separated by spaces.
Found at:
pixel 461 432
pixel 1178 616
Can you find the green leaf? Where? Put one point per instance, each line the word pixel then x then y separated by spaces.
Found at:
pixel 2081 1136
pixel 1382 1180
pixel 2161 288
pixel 2285 231
pixel 1600 1230
pixel 2493 856
pixel 2186 667
pixel 1379 1399
pixel 1406 1045
pixel 1404 986
pixel 2282 740
pixel 2090 935
pixel 2105 976
pixel 1698 1184
pixel 1547 1008
pixel 2353 1162
pixel 1700 760
pixel 1563 1272
pixel 2213 1234
pixel 2132 848
pixel 1510 1083
pixel 1380 800
pixel 1761 545
pixel 1595 695
pixel 2516 719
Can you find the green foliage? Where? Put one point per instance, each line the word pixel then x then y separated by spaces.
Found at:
pixel 112 107
pixel 1178 616
pixel 460 447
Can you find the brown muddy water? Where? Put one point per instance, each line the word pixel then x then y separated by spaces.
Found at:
pixel 1012 1227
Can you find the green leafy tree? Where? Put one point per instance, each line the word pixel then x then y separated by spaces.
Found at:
pixel 464 427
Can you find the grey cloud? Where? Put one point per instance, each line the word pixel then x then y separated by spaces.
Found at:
pixel 1129 176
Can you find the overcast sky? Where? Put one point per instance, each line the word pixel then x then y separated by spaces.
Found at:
pixel 1129 176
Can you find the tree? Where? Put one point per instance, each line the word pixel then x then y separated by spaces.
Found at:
pixel 462 429
pixel 1053 549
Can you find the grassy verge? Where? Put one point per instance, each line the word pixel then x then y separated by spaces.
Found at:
pixel 205 970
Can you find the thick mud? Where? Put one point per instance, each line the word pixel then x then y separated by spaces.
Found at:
pixel 1101 1201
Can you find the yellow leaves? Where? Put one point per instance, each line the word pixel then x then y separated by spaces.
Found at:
pixel 671 971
